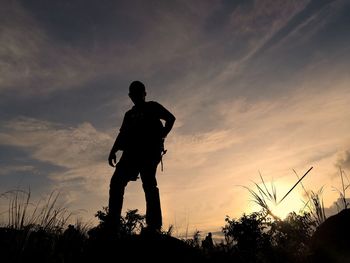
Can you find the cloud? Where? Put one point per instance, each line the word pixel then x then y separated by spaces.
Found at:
pixel 81 151
pixel 32 62
pixel 344 161
pixel 272 136
pixel 336 207
pixel 173 53
pixel 269 70
pixel 36 53
pixel 311 9
pixel 8 169
pixel 189 151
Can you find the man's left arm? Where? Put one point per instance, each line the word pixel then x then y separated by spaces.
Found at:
pixel 169 119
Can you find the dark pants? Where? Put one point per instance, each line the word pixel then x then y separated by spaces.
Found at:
pixel 127 169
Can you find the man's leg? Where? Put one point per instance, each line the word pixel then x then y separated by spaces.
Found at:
pixel 153 208
pixel 116 197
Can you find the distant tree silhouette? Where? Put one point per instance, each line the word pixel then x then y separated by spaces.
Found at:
pixel 258 238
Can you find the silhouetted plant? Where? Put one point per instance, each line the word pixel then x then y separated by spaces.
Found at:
pixel 258 238
pixel 314 204
pixel 23 214
pixel 263 195
pixel 102 215
pixel 195 241
pixel 131 223
pixel 169 231
pixel 248 236
pixel 290 238
pixel 317 206
pixel 35 231
pixel 344 204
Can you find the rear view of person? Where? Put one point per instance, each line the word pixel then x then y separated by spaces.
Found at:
pixel 141 138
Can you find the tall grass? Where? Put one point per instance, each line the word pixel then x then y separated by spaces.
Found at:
pixel 263 195
pixel 34 229
pixel 45 214
pixel 342 191
pixel 314 203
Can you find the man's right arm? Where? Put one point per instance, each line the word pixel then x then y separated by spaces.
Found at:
pixel 118 144
pixel 112 158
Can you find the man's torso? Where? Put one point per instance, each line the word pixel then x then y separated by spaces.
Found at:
pixel 142 128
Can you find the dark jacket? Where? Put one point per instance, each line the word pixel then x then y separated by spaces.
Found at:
pixel 142 129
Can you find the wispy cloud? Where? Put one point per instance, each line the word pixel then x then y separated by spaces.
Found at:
pixel 9 169
pixel 344 161
pixel 273 136
pixel 310 10
pixel 80 151
pixel 33 55
pixel 31 61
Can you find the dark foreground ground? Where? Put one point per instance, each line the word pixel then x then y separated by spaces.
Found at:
pixel 144 248
pixel 41 247
pixel 330 243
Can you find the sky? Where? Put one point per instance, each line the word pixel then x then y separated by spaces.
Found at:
pixel 257 87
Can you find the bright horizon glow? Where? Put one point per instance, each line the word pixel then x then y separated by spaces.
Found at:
pixel 294 201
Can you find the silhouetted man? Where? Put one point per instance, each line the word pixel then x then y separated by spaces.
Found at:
pixel 141 138
pixel 208 243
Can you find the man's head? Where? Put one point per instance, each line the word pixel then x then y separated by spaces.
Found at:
pixel 137 92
